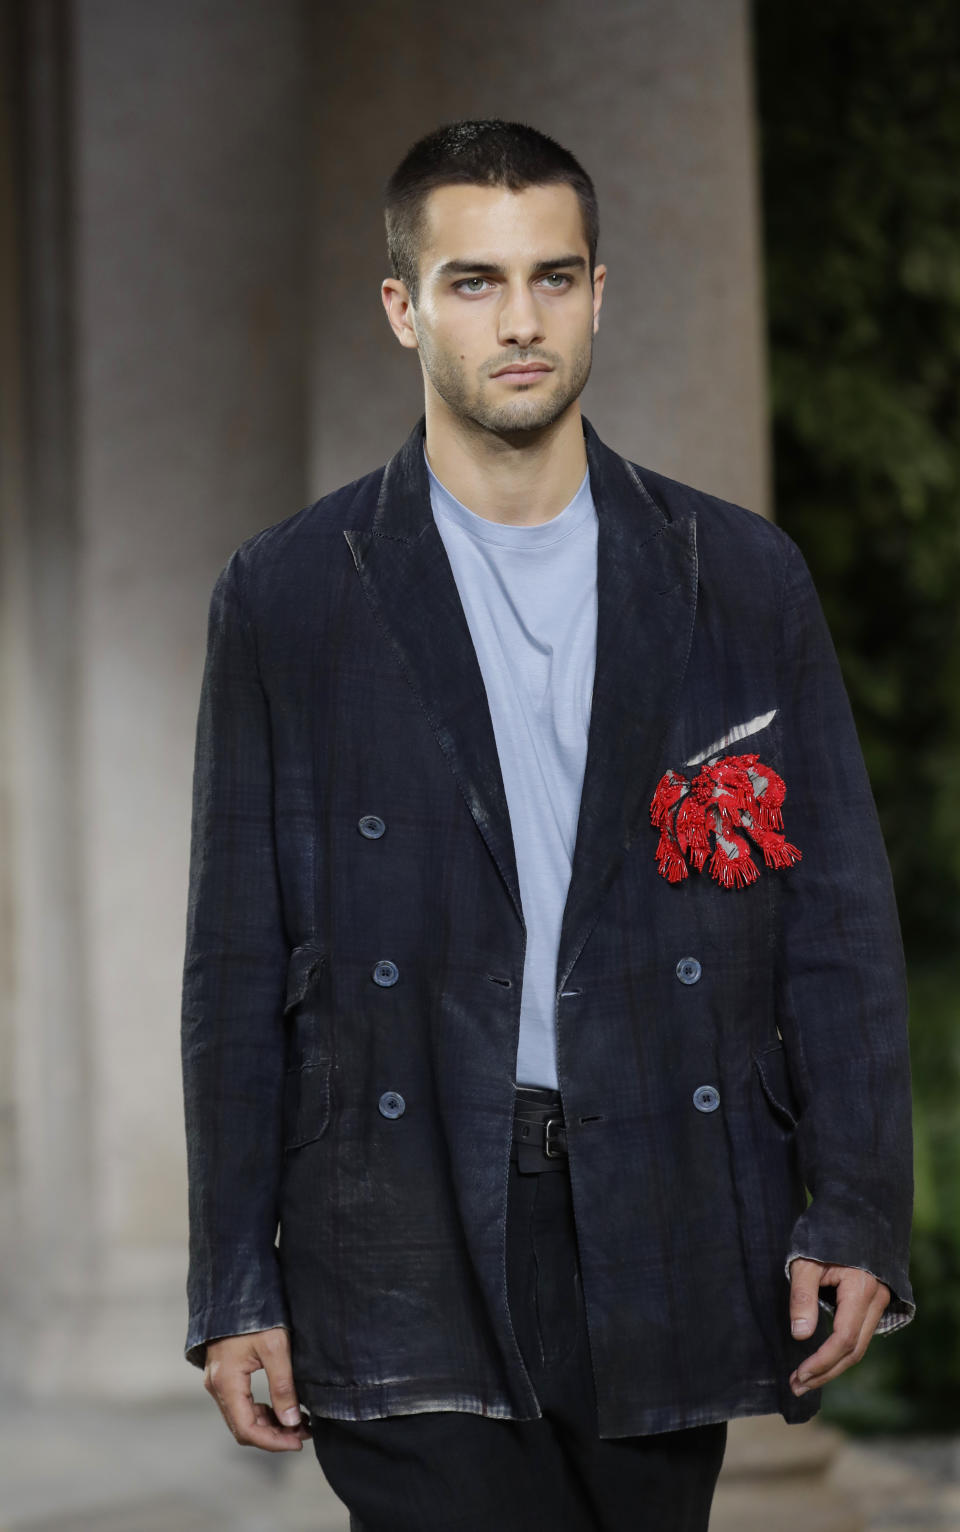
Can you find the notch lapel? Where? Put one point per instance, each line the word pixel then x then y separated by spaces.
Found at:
pixel 407 578
pixel 646 605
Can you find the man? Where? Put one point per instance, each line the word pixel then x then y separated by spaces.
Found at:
pixel 543 977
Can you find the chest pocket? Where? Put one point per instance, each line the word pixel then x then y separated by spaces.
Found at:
pixel 306 1085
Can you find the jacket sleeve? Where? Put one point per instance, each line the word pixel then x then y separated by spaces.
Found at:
pixel 234 970
pixel 842 997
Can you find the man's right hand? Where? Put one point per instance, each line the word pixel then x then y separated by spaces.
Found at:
pixel 230 1362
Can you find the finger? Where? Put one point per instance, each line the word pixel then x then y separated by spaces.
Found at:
pixel 228 1380
pixel 860 1302
pixel 805 1279
pixel 835 1349
pixel 266 1416
pixel 849 1359
pixel 842 1348
pixel 230 1386
pixel 275 1351
pixel 872 1318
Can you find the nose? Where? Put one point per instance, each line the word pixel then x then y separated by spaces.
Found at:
pixel 519 322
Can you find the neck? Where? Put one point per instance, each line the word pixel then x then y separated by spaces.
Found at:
pixel 523 479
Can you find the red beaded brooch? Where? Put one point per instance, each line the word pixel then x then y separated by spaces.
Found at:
pixel 731 793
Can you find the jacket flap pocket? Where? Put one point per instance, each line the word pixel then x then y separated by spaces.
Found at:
pixel 774 1075
pixel 306 1103
pixel 304 962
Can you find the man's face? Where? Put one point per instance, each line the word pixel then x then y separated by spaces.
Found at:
pixel 504 279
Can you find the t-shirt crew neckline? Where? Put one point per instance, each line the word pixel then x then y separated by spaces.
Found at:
pixel 574 514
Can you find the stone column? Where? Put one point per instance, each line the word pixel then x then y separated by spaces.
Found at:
pixel 48 1176
pixel 165 242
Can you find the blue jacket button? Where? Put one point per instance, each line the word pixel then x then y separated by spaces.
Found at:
pixel 392 1104
pixel 688 970
pixel 386 973
pixel 372 826
pixel 706 1098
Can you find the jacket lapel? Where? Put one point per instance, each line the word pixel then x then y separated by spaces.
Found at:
pixel 407 578
pixel 646 605
pixel 646 600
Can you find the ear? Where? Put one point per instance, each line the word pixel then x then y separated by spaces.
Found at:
pixel 599 276
pixel 396 301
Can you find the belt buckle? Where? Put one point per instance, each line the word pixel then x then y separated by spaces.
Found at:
pixel 556 1123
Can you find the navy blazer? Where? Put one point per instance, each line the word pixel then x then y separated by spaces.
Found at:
pixel 733 1060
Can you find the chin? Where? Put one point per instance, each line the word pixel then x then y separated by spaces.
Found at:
pixel 540 414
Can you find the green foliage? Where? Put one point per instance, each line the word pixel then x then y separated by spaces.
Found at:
pixel 859 116
pixel 908 1380
pixel 860 142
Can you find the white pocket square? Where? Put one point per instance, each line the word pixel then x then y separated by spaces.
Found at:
pixel 739 731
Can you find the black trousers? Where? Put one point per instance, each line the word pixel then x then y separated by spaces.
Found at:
pixel 448 1471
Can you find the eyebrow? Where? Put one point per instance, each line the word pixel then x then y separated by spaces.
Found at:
pixel 491 268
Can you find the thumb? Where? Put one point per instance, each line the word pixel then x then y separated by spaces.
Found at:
pixel 275 1356
pixel 805 1279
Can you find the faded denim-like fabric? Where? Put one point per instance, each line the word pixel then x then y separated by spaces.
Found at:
pixel 354 955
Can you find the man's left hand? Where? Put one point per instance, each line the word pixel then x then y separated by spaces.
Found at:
pixel 861 1300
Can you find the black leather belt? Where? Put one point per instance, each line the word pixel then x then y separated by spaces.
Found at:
pixel 539 1134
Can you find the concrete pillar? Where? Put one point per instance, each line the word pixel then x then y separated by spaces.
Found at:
pixel 166 236
pixel 48 1185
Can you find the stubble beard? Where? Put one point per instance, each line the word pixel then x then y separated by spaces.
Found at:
pixel 524 411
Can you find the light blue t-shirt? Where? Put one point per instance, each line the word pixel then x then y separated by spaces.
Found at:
pixel 530 599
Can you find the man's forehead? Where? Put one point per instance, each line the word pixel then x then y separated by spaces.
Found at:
pixel 474 222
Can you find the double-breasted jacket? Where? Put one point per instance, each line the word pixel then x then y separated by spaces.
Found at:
pixel 732 1057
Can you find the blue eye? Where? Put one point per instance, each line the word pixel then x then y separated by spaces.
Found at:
pixel 556 280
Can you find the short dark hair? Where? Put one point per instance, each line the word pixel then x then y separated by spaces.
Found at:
pixel 485 152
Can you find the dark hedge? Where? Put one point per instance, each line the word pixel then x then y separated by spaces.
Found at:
pixel 859 126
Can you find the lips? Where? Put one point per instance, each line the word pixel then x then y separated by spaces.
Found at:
pixel 522 367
